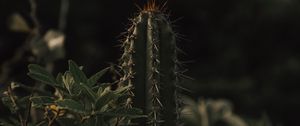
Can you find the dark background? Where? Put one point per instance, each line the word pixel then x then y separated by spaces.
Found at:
pixel 246 51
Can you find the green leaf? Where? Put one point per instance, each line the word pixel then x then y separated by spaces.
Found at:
pixel 78 75
pixel 105 99
pixel 73 88
pixel 104 85
pixel 99 91
pixel 124 112
pixel 122 90
pixel 40 74
pixel 71 105
pixel 89 92
pixel 33 68
pixel 93 79
pixel 41 101
pixel 76 89
pixel 42 78
pixel 99 88
pixel 59 79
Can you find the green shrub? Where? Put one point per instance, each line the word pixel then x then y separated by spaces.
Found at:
pixel 78 100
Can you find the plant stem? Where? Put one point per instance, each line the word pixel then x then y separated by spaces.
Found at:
pixel 41 123
pixel 33 10
pixel 51 120
pixel 13 100
pixel 118 121
pixel 64 8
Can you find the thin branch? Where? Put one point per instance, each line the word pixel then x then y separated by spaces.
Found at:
pixel 27 116
pixel 41 123
pixel 118 121
pixel 33 10
pixel 13 100
pixel 51 121
pixel 64 8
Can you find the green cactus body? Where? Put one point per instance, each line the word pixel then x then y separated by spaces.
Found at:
pixel 149 64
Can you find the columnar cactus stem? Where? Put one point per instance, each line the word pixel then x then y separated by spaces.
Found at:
pixel 149 64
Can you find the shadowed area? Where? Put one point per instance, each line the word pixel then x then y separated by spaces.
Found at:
pixel 240 50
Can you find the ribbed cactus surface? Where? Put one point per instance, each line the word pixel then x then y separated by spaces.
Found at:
pixel 149 65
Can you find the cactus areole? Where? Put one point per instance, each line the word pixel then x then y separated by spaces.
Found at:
pixel 149 65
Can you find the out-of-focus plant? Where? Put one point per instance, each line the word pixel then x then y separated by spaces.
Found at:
pixel 216 113
pixel 43 48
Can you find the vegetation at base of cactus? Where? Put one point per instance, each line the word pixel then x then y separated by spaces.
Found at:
pixel 149 63
pixel 77 97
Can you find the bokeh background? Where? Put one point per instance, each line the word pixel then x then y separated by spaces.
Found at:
pixel 246 51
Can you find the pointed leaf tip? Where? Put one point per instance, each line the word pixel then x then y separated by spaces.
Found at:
pixel 77 73
pixel 93 79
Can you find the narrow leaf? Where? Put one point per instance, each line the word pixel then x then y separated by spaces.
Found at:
pixel 78 75
pixel 93 79
pixel 89 91
pixel 99 91
pixel 105 99
pixel 42 78
pixel 103 86
pixel 40 74
pixel 41 101
pixel 59 79
pixel 122 90
pixel 33 68
pixel 71 105
pixel 70 85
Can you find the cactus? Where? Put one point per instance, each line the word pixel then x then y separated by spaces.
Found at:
pixel 149 65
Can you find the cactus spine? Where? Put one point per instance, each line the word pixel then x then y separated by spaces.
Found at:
pixel 149 64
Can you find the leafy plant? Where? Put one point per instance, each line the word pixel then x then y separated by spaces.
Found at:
pixel 77 98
